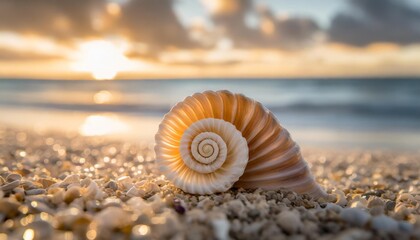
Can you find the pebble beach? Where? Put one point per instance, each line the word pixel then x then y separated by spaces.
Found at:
pixel 66 186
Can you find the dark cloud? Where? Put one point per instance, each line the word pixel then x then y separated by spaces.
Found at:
pixel 150 22
pixel 58 19
pixel 376 21
pixel 288 33
pixel 153 22
pixel 271 32
pixel 152 25
pixel 232 23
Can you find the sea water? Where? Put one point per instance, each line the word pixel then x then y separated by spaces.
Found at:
pixel 362 112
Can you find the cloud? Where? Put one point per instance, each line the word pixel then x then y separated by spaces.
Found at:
pixel 150 22
pixel 153 23
pixel 11 55
pixel 288 33
pixel 372 21
pixel 57 19
pixel 270 31
pixel 229 17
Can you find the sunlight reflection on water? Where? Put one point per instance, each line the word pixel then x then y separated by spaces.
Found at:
pixel 102 97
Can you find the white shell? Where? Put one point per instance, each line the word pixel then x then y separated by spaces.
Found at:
pixel 212 141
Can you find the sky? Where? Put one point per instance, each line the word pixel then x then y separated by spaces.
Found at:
pixel 134 39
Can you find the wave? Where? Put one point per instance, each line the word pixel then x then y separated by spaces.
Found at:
pixel 370 110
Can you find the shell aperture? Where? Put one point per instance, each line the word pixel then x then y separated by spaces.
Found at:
pixel 212 141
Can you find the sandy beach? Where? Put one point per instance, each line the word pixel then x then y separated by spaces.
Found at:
pixel 209 119
pixel 61 186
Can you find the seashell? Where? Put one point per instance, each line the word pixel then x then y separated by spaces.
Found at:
pixel 212 141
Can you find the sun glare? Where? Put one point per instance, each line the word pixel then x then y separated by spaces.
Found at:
pixel 99 125
pixel 101 58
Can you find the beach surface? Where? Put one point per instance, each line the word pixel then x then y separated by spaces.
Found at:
pixel 68 186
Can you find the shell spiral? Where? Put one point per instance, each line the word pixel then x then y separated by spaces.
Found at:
pixel 212 141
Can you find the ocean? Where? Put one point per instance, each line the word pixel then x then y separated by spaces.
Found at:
pixel 347 113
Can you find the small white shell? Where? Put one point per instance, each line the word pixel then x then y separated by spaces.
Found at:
pixel 214 140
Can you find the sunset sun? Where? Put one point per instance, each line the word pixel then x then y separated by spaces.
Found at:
pixel 101 58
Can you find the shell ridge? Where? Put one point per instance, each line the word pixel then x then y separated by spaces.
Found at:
pixel 281 140
pixel 277 160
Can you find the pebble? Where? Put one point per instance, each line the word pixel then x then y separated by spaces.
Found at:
pixel 401 211
pixel 358 201
pixel 179 209
pixel 289 221
pixel 355 216
pixel 112 195
pixel 68 218
pixel 206 204
pixel 28 185
pixel 112 184
pixel 196 215
pixel 57 195
pixel 13 177
pixel 42 230
pixel 334 207
pixel 405 226
pixel 341 198
pixel 71 194
pixel 112 218
pixel 236 208
pixel 355 234
pixel 405 197
pixel 358 204
pixel 74 178
pixel 46 183
pixel 9 207
pixel 385 224
pixel 220 226
pixel 375 202
pixel 253 228
pixel 376 210
pixel 125 182
pixel 390 205
pixel 111 201
pixel 135 192
pixel 35 191
pixel 92 191
pixel 10 186
pixel 148 187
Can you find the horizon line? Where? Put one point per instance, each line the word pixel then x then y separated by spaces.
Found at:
pixel 217 78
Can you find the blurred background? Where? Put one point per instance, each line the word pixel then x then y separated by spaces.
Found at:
pixel 339 73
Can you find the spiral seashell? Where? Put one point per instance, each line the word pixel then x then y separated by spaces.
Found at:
pixel 212 141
